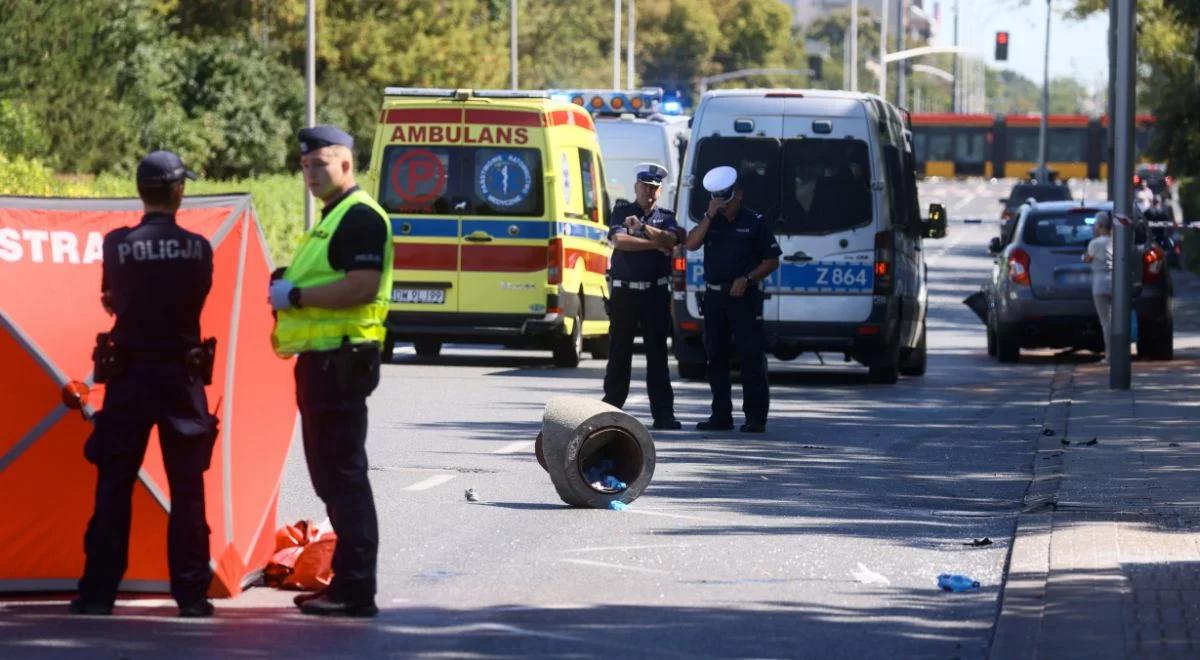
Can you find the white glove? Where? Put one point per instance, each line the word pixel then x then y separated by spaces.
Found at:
pixel 280 290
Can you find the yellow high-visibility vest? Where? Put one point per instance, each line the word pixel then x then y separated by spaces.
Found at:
pixel 317 329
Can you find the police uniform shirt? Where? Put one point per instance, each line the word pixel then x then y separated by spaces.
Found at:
pixel 360 240
pixel 642 265
pixel 156 276
pixel 734 248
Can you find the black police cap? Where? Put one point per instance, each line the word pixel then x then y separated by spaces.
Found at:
pixel 315 137
pixel 163 167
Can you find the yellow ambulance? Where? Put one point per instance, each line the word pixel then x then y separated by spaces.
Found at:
pixel 499 214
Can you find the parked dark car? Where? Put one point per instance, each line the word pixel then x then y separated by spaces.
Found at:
pixel 1038 192
pixel 1040 292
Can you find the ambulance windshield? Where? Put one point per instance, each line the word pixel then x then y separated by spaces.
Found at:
pixel 461 181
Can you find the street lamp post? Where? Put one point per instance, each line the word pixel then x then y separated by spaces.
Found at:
pixel 1042 174
pixel 310 86
pixel 854 45
pixel 616 64
pixel 883 21
pixel 512 42
pixel 631 30
pixel 1122 182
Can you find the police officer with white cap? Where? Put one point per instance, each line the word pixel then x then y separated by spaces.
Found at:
pixel 155 279
pixel 639 279
pixel 740 251
pixel 331 304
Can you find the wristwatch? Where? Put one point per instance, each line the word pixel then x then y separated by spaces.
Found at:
pixel 294 297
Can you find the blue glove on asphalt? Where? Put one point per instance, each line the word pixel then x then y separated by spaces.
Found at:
pixel 279 294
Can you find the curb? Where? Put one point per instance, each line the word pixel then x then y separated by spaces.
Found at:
pixel 1023 594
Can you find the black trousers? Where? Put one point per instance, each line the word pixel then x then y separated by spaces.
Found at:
pixel 647 310
pixel 149 393
pixel 331 392
pixel 726 320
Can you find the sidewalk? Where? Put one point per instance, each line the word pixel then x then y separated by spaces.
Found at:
pixel 1106 558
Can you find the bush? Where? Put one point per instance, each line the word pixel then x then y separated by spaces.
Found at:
pixel 21 134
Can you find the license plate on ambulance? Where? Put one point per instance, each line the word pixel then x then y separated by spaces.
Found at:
pixel 419 296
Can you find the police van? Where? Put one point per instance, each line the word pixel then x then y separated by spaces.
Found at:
pixel 834 174
pixel 498 214
pixel 635 127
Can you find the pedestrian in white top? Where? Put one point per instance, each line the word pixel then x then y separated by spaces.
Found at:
pixel 1100 255
pixel 1143 197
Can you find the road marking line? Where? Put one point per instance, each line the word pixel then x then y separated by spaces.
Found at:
pixel 867 576
pixel 431 482
pixel 627 548
pixel 518 447
pixel 602 564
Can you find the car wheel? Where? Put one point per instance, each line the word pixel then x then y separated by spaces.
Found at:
pixel 1007 348
pixel 427 348
pixel 691 370
pixel 569 348
pixel 1156 341
pixel 915 362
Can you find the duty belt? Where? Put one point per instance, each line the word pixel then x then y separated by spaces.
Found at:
pixel 639 286
pixel 725 286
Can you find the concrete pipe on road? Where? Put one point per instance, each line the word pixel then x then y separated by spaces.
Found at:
pixel 591 450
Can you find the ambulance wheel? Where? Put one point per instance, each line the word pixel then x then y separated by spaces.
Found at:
pixel 598 347
pixel 427 348
pixel 569 348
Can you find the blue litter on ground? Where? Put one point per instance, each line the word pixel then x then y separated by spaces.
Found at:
pixel 956 583
pixel 598 476
pixel 618 505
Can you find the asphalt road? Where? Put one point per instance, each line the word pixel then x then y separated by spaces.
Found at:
pixel 822 538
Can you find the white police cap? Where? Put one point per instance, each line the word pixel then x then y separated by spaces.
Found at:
pixel 720 179
pixel 651 173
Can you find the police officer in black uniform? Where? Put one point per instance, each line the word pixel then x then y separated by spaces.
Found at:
pixel 156 276
pixel 739 252
pixel 639 280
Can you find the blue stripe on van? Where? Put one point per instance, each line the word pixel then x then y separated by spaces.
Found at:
pixel 426 227
pixel 500 228
pixel 448 228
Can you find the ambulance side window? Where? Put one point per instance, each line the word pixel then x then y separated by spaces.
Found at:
pixel 587 172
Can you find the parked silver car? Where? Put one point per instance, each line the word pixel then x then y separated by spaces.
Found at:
pixel 1040 292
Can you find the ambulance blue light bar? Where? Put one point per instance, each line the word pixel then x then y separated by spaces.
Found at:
pixel 641 102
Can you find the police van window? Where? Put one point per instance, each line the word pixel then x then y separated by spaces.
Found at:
pixel 461 181
pixel 587 172
pixel 827 186
pixel 757 163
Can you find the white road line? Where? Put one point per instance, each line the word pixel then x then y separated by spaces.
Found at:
pixel 602 564
pixel 431 482
pixel 627 548
pixel 518 447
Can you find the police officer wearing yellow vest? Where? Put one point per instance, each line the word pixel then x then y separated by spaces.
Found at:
pixel 155 279
pixel 331 304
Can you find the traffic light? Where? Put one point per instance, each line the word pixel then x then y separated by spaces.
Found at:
pixel 1001 46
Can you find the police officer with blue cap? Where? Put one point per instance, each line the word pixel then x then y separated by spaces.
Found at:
pixel 331 306
pixel 155 279
pixel 740 251
pixel 639 280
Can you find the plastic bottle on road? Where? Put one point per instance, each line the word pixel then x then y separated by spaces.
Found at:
pixel 956 583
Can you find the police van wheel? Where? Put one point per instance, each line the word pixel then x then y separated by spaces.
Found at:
pixel 885 370
pixel 389 349
pixel 427 348
pixel 569 348
pixel 691 370
pixel 915 362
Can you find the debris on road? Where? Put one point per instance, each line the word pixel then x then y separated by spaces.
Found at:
pixel 1047 432
pixel 1065 442
pixel 868 576
pixel 472 495
pixel 1091 442
pixel 617 505
pixel 978 543
pixel 956 583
